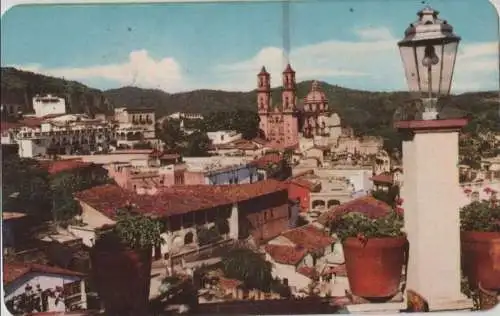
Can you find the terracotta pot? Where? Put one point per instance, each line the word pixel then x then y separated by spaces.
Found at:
pixel 122 279
pixel 374 267
pixel 481 258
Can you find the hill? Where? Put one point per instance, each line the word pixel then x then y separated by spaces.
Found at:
pixel 367 112
pixel 19 87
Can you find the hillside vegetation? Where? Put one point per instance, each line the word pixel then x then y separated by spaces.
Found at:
pixel 367 112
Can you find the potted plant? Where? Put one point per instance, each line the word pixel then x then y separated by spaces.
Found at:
pixel 121 263
pixel 480 242
pixel 375 251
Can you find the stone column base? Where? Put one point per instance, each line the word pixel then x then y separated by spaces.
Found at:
pixel 456 304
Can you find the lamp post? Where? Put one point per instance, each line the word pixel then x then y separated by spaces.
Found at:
pixel 431 190
pixel 428 52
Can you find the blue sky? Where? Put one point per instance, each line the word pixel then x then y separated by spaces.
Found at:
pixel 186 46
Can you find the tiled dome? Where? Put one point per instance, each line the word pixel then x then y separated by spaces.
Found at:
pixel 315 95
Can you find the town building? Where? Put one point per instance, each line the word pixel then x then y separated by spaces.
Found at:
pixel 57 289
pixel 68 134
pixel 185 116
pixel 223 137
pixel 256 211
pixel 48 105
pixel 278 124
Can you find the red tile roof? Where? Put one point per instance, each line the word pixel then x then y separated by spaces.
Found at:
pixel 286 254
pixel 229 283
pixel 309 237
pixel 306 183
pixel 13 271
pixel 308 272
pixel 267 159
pixel 178 199
pixel 57 166
pixel 368 205
pixel 385 177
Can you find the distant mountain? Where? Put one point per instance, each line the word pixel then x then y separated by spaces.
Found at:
pixel 367 112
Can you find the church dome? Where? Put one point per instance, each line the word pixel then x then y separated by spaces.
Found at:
pixel 315 95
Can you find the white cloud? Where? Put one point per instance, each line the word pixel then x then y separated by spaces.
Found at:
pixel 477 67
pixel 371 61
pixel 140 70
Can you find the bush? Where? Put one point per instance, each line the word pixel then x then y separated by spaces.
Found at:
pixel 355 224
pixel 135 231
pixel 481 216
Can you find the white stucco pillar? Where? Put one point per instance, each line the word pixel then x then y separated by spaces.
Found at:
pixel 431 197
pixel 234 222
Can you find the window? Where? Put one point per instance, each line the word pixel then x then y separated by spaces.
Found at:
pixel 72 288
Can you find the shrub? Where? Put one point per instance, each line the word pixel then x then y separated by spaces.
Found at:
pixel 355 224
pixel 481 216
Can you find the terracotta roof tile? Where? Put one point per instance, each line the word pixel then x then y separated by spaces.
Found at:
pixel 385 177
pixel 368 205
pixel 286 254
pixel 309 237
pixel 267 159
pixel 13 271
pixel 178 199
pixel 57 166
pixel 308 272
pixel 229 283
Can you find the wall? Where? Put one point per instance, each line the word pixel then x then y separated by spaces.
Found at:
pixel 56 106
pixel 29 148
pixel 268 215
pixel 46 281
pixel 223 137
pixel 295 279
pixel 297 191
pixel 244 174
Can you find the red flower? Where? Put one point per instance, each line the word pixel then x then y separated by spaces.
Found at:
pixel 487 190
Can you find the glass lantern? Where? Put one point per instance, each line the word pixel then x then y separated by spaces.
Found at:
pixel 428 52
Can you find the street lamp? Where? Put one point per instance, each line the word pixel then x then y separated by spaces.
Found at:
pixel 428 52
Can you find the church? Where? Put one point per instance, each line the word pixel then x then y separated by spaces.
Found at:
pixel 279 124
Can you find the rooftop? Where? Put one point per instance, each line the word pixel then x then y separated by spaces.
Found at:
pixel 309 237
pixel 285 254
pixel 368 205
pixel 385 177
pixel 14 271
pixel 57 166
pixel 175 200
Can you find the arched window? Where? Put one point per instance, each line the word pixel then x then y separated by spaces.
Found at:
pixel 188 238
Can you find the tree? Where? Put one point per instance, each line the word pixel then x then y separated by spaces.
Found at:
pixel 25 187
pixel 249 267
pixel 198 145
pixel 171 134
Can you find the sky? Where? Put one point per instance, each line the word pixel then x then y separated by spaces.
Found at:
pixel 186 46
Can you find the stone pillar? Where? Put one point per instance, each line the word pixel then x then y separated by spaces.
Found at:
pixel 431 197
pixel 234 222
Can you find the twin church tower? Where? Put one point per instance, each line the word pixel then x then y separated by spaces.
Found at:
pixel 280 125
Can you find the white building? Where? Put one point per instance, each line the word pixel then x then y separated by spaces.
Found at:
pixel 48 105
pixel 220 170
pixel 186 116
pixel 223 137
pixel 59 289
pixel 70 134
